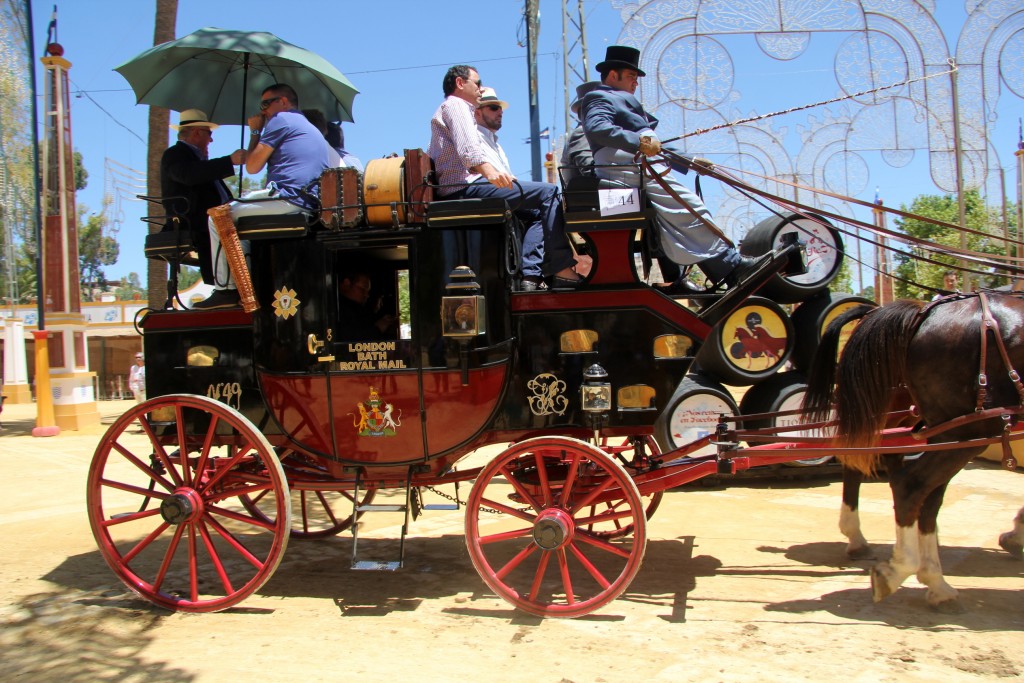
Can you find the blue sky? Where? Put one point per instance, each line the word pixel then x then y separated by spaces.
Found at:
pixel 396 52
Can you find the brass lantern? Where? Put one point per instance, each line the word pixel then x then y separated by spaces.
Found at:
pixel 463 309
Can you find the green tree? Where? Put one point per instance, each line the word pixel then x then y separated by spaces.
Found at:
pixel 96 248
pixel 130 287
pixel 187 277
pixel 945 208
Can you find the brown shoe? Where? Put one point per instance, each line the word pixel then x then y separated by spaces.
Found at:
pixel 221 298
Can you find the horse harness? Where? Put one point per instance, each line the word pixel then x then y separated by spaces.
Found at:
pixel 1008 414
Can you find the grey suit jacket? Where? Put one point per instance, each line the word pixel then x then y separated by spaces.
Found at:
pixel 614 118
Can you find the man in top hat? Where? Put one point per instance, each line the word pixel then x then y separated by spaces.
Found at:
pixel 196 181
pixel 295 154
pixel 617 127
pixel 462 166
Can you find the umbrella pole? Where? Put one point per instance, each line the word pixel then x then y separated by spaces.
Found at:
pixel 245 122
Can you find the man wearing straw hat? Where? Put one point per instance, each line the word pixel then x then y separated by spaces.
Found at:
pixel 191 182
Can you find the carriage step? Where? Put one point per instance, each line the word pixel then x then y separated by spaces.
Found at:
pixel 382 507
pixel 376 566
pixel 441 506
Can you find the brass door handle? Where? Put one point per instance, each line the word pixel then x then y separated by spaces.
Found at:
pixel 313 345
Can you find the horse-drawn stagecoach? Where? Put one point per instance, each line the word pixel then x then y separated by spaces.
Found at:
pixel 282 421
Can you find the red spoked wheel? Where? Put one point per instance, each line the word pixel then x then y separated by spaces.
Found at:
pixel 633 452
pixel 527 527
pixel 166 510
pixel 316 512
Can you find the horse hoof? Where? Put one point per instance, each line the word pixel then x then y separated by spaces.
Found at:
pixel 863 552
pixel 951 606
pixel 1010 545
pixel 880 589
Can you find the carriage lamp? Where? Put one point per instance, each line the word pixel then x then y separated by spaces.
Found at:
pixel 596 397
pixel 463 313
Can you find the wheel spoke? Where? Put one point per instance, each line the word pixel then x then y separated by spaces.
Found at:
pixel 589 566
pixel 172 548
pixel 239 517
pixel 327 507
pixel 606 516
pixel 598 489
pixel 145 493
pixel 602 544
pixel 542 476
pixel 563 567
pixel 506 535
pixel 204 454
pixel 520 489
pixel 235 543
pixel 538 577
pixel 222 471
pixel 144 543
pixel 570 480
pixel 501 507
pixel 218 566
pixel 146 469
pixel 193 565
pixel 160 452
pixel 516 561
pixel 130 517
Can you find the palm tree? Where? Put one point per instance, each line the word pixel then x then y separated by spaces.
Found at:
pixel 159 120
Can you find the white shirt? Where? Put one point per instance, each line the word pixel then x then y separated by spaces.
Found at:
pixel 493 151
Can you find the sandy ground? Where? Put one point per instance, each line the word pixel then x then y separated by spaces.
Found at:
pixel 743 580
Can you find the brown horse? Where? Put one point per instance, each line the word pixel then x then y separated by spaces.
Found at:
pixel 935 353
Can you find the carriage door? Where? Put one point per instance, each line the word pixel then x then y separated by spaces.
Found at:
pixel 373 380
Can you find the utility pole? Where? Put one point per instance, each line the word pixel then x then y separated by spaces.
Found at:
pixel 532 33
pixel 575 62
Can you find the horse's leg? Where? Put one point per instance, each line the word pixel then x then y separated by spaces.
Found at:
pixel 887 576
pixel 941 596
pixel 857 547
pixel 1013 541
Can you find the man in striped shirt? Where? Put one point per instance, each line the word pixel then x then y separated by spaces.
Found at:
pixel 460 162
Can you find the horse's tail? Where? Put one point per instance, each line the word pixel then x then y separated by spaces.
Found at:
pixel 872 366
pixel 821 380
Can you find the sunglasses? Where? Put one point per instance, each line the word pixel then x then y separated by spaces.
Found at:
pixel 492 107
pixel 267 102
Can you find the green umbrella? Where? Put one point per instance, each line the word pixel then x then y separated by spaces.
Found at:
pixel 224 72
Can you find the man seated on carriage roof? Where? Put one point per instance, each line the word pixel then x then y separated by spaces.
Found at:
pixel 191 182
pixel 617 128
pixel 463 170
pixel 295 154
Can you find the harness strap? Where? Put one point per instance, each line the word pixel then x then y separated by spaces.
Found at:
pixel 989 323
pixel 659 177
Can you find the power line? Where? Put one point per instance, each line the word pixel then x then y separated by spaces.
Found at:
pixel 109 115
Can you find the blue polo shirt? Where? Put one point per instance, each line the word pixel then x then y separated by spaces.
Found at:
pixel 300 156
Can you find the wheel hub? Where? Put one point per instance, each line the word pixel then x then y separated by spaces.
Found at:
pixel 181 506
pixel 553 529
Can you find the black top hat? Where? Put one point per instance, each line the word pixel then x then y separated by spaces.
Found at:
pixel 621 57
pixel 581 90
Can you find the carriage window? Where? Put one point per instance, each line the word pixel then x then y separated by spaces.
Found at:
pixel 673 346
pixel 404 313
pixel 202 356
pixel 636 397
pixel 578 341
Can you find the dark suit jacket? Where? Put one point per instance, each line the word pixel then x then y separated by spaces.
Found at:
pixel 614 118
pixel 577 159
pixel 184 174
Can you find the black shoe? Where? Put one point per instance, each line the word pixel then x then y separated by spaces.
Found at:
pixel 564 283
pixel 221 298
pixel 745 268
pixel 681 287
pixel 532 283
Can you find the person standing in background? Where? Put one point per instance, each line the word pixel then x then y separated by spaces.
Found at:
pixel 137 378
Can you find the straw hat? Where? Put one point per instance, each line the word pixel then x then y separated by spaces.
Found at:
pixel 488 96
pixel 194 118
